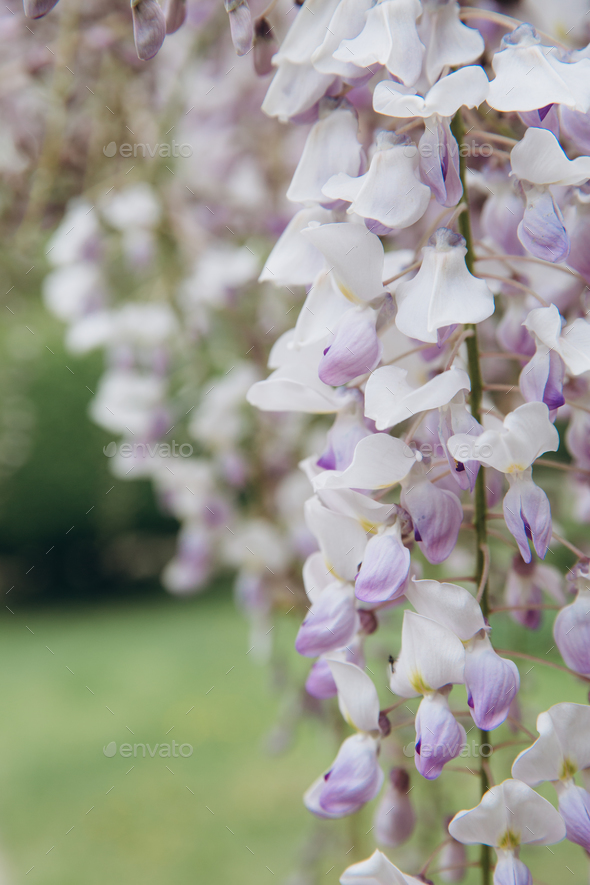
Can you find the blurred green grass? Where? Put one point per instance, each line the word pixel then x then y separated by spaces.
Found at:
pixel 232 812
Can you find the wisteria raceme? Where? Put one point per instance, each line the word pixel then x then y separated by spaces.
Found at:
pixel 437 239
pixel 442 191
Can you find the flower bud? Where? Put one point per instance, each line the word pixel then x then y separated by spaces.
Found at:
pixel 149 27
pixel 331 623
pixel 354 779
pixel 320 682
pixel 385 567
pixel 38 8
pixel 437 515
pixel 175 15
pixel 492 683
pixel 439 737
pixel 572 633
pixel 240 23
pixel 265 46
pixel 528 514
pixel 574 807
pixel 355 349
pixel 452 860
pixel 511 871
pixel 395 818
pixel 541 230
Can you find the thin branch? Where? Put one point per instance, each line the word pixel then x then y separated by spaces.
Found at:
pixel 519 725
pixel 486 571
pixel 398 276
pixel 506 20
pixel 572 547
pixel 541 606
pixel 493 136
pixel 514 283
pixel 527 657
pixel 495 256
pixel 468 333
pixel 558 465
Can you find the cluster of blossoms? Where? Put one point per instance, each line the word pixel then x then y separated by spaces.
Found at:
pixel 442 241
pixel 157 274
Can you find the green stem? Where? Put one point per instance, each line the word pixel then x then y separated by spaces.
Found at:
pixel 479 518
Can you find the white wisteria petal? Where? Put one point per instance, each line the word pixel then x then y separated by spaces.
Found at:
pixel 449 42
pixel 370 513
pixel 431 656
pixel 443 292
pixel 294 89
pixel 391 191
pixel 552 81
pixel 341 538
pixel 357 695
pixel 294 261
pixel 295 386
pixel 306 32
pixel 324 306
pixel 539 158
pixel 574 347
pixel 572 343
pixel 346 23
pixel 562 748
pixel 316 576
pixel 389 38
pixel 527 433
pixel 355 256
pixel 389 398
pixel 376 870
pixel 332 146
pixel 510 809
pixel 380 461
pixel 467 87
pixel 450 605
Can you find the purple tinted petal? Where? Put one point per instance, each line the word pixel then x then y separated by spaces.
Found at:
pixel 528 516
pixel 354 779
pixel 579 257
pixel 543 118
pixel 320 682
pixel 38 8
pixel 384 570
pixel 574 807
pixel 355 350
pixel 395 818
pixel 492 683
pixel 175 15
pixel 437 515
pixel 439 163
pixel 541 230
pixel 265 47
pixel 331 623
pixel 542 380
pixel 577 127
pixel 512 334
pixel 572 635
pixel 439 737
pixel 240 23
pixel 149 27
pixel 511 871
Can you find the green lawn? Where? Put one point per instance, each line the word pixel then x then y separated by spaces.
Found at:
pixel 232 811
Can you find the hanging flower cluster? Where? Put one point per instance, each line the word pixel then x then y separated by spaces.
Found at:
pixel 441 237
